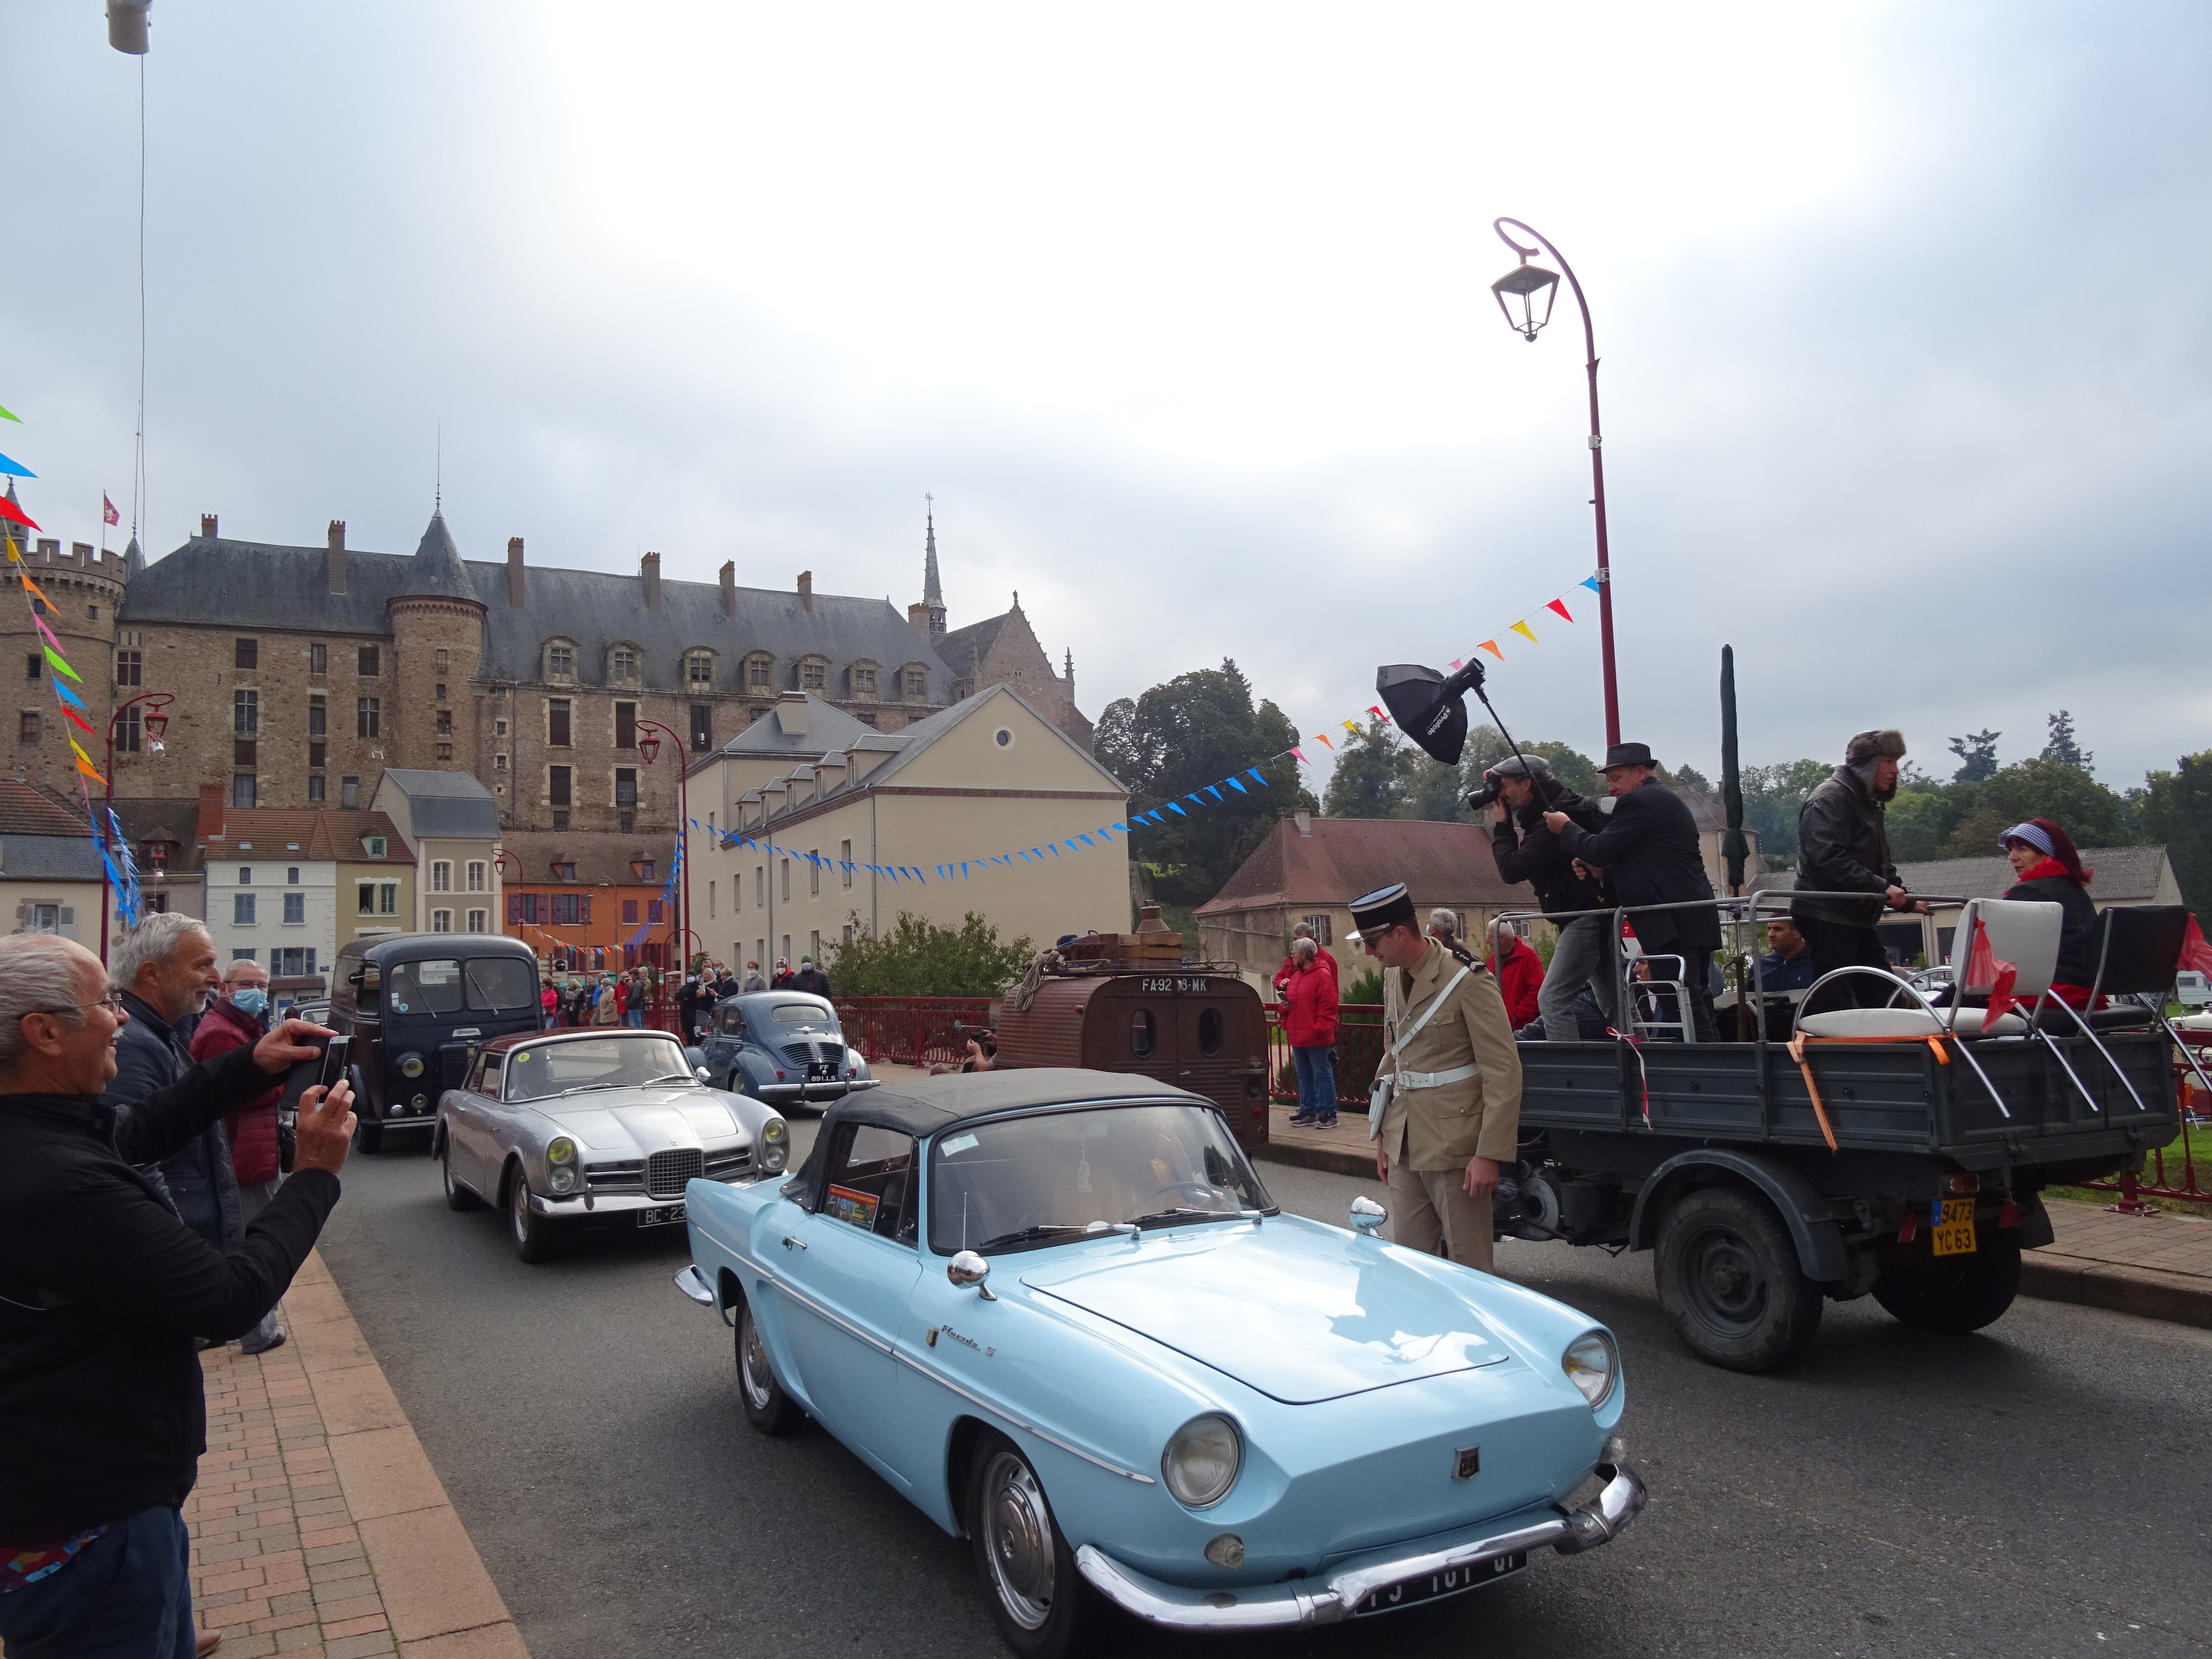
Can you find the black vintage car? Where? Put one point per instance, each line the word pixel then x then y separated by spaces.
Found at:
pixel 417 1006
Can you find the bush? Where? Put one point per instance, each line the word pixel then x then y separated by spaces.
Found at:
pixel 918 958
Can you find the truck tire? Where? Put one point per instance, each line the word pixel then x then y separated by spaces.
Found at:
pixel 1730 1281
pixel 1957 1293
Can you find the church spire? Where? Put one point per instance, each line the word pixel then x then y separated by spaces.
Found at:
pixel 932 592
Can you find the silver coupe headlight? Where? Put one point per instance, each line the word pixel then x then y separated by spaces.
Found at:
pixel 562 1179
pixel 1593 1364
pixel 1201 1461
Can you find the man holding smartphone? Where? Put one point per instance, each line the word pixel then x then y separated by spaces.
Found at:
pixel 104 1294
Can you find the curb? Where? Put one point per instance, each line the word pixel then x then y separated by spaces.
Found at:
pixel 438 1600
pixel 1331 1159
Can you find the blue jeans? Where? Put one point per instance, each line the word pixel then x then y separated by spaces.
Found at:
pixel 635 1019
pixel 1316 1080
pixel 126 1596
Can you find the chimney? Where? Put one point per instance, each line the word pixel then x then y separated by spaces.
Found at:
pixel 207 525
pixel 730 588
pixel 648 572
pixel 210 827
pixel 1305 822
pixel 917 618
pixel 514 589
pixel 791 713
pixel 335 561
pixel 807 590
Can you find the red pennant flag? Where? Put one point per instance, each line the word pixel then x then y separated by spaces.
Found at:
pixel 2196 954
pixel 77 720
pixel 1984 964
pixel 8 510
pixel 1378 713
pixel 1560 605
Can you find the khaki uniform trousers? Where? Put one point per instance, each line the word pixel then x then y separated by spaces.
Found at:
pixel 1430 1210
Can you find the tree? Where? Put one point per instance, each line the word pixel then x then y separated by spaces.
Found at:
pixel 1688 777
pixel 2177 810
pixel 1772 798
pixel 2062 746
pixel 919 958
pixel 1180 739
pixel 2039 788
pixel 1977 753
pixel 1368 781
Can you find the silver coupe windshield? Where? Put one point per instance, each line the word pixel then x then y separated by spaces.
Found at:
pixel 546 1069
pixel 1020 1182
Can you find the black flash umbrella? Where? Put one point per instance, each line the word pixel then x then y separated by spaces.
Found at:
pixel 1734 848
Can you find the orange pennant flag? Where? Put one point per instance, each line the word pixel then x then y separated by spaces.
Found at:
pixel 86 767
pixel 1323 736
pixel 1491 645
pixel 24 577
pixel 1522 630
pixel 1560 605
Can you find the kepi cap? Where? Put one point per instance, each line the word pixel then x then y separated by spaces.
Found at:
pixel 1383 909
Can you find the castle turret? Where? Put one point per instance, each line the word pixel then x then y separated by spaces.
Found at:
pixel 83 586
pixel 437 634
pixel 933 593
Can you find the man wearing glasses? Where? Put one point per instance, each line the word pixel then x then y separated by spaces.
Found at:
pixel 104 1294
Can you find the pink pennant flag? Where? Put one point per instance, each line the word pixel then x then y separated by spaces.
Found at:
pixel 1457 664
pixel 1560 605
pixel 1491 645
pixel 1526 633
pixel 1301 754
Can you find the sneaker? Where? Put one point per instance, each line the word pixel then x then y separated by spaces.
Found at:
pixel 274 1342
pixel 1302 1120
pixel 1328 1122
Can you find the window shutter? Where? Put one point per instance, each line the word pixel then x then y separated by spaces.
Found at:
pixel 586 907
pixel 69 915
pixel 513 908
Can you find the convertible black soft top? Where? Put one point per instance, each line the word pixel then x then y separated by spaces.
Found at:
pixel 927 1105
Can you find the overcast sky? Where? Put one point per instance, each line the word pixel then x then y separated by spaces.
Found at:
pixel 1182 313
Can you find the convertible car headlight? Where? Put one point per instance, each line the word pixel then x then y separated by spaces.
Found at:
pixel 1201 1461
pixel 562 1179
pixel 1593 1364
pixel 773 1130
pixel 559 1149
pixel 410 1066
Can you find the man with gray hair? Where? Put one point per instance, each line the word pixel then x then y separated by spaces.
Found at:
pixel 103 1292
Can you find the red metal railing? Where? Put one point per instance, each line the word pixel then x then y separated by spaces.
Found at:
pixel 2178 1178
pixel 1358 1052
pixel 911 1031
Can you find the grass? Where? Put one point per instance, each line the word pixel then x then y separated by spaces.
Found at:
pixel 2199 1137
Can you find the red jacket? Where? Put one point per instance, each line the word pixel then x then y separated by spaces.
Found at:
pixel 1310 1020
pixel 252 1126
pixel 1519 974
pixel 1322 955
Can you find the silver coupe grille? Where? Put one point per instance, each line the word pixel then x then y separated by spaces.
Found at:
pixel 666 1172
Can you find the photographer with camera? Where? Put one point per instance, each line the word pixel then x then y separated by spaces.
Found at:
pixel 1519 793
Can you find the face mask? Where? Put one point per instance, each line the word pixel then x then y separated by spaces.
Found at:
pixel 249 1002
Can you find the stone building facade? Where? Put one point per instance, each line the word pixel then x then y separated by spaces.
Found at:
pixel 297 675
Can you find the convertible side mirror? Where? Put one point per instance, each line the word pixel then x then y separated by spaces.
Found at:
pixel 702 1074
pixel 1368 1216
pixel 970 1269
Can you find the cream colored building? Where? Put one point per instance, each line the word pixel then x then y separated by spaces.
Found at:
pixel 49 867
pixel 986 780
pixel 449 823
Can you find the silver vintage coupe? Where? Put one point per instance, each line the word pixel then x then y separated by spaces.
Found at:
pixel 568 1129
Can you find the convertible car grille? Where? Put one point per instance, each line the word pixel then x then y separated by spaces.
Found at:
pixel 723 1166
pixel 666 1172
pixel 622 1176
pixel 801 1053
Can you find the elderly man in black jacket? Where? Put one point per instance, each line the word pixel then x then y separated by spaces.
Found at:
pixel 1843 842
pixel 103 1291
pixel 1650 854
pixel 1526 849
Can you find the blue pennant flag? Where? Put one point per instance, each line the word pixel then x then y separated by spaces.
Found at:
pixel 1238 787
pixel 1254 776
pixel 66 695
pixel 1177 809
pixel 14 468
pixel 1214 790
pixel 1055 850
pixel 1591 583
pixel 1086 840
pixel 963 869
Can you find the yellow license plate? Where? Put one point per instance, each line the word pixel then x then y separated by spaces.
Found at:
pixel 1954 1234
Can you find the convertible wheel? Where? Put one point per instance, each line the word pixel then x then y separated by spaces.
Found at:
pixel 1954 1293
pixel 457 1197
pixel 532 1232
pixel 1729 1282
pixel 1036 1595
pixel 368 1134
pixel 768 1408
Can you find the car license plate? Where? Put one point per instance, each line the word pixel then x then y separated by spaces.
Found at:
pixel 661 1215
pixel 1434 1586
pixel 1954 1234
pixel 822 1071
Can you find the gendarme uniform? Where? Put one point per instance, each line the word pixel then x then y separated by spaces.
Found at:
pixel 1448 1088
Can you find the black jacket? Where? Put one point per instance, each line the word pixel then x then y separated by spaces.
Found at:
pixel 1650 852
pixel 1536 856
pixel 2077 951
pixel 150 1054
pixel 1843 846
pixel 810 979
pixel 102 1289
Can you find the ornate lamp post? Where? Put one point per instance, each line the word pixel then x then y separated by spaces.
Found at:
pixel 154 722
pixel 650 734
pixel 1534 289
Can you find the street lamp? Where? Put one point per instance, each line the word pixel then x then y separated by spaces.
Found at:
pixel 1532 286
pixel 649 736
pixel 153 722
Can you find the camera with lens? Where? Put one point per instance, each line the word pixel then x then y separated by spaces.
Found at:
pixel 1478 799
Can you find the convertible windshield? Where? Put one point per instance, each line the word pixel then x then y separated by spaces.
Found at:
pixel 1028 1182
pixel 610 1062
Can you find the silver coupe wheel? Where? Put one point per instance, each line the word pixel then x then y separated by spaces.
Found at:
pixel 1018 1539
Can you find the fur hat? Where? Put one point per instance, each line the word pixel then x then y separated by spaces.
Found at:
pixel 1871 745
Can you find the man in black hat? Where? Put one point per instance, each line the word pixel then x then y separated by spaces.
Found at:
pixel 1527 849
pixel 1650 854
pixel 1842 838
pixel 1446 1109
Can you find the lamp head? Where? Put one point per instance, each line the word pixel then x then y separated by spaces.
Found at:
pixel 1532 286
pixel 648 746
pixel 1429 707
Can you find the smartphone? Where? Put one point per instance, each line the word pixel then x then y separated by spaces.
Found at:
pixel 333 1067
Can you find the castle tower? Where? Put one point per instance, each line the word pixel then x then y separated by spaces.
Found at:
pixel 932 594
pixel 85 585
pixel 437 640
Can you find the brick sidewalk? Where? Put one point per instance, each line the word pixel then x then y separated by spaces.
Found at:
pixel 318 1524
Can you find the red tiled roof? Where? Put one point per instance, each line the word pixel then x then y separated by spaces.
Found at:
pixel 602 859
pixel 309 832
pixel 27 810
pixel 1344 858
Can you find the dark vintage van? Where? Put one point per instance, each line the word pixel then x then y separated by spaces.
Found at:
pixel 416 1007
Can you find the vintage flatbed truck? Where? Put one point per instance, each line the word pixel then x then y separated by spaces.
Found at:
pixel 1714 1157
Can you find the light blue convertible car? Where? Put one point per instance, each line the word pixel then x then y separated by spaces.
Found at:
pixel 1059 1312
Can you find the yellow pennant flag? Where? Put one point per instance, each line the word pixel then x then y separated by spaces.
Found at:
pixel 14 556
pixel 1351 728
pixel 1522 628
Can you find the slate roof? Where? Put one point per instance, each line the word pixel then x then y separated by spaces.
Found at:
pixel 447 806
pixel 438 568
pixel 2119 875
pixel 168 819
pixel 828 729
pixel 1344 858
pixel 963 649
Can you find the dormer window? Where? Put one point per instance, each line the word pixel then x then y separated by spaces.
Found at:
pixel 622 666
pixel 373 845
pixel 564 870
pixel 560 660
pixel 914 681
pixel 760 673
pixel 699 670
pixel 813 674
pixel 863 677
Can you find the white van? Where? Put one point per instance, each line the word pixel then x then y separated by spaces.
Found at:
pixel 2192 990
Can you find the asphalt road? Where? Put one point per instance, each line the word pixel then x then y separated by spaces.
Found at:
pixel 2037 1489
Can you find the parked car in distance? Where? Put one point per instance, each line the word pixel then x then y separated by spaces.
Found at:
pixel 569 1129
pixel 2192 990
pixel 783 1047
pixel 316 1009
pixel 1057 1310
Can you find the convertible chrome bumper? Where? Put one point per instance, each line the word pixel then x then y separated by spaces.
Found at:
pixel 836 1089
pixel 1301 1601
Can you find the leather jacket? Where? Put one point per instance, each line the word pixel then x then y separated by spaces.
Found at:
pixel 1843 842
pixel 1536 856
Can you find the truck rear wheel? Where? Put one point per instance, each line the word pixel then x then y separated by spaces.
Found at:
pixel 1954 1293
pixel 1729 1282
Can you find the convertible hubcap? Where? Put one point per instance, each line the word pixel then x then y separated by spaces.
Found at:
pixel 1019 1538
pixel 753 1369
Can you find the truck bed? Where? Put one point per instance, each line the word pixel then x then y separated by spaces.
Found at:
pixel 1895 1097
